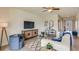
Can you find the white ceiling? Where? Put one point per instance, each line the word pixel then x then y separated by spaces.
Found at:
pixel 64 11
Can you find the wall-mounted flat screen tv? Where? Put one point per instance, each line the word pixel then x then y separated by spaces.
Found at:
pixel 28 24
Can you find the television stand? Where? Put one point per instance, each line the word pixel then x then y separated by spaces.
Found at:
pixel 30 33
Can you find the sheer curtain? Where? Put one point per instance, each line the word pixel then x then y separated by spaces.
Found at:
pixel 77 26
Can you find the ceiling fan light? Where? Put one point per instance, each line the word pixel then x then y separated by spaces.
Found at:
pixel 50 10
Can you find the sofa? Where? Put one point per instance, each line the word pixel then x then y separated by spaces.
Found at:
pixel 64 45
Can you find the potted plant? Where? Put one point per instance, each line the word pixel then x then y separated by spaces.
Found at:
pixel 49 46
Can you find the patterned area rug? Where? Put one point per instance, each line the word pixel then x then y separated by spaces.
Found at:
pixel 34 44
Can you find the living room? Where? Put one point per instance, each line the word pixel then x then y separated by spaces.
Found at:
pixel 15 18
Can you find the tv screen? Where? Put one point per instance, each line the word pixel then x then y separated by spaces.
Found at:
pixel 28 24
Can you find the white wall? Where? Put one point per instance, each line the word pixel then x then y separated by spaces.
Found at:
pixel 19 16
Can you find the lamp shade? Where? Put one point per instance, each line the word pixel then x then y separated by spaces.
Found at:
pixel 4 24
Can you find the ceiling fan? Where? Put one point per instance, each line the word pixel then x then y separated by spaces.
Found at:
pixel 50 9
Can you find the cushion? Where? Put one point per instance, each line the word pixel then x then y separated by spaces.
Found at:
pixel 57 39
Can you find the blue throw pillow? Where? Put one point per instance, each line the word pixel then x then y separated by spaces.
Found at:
pixel 57 39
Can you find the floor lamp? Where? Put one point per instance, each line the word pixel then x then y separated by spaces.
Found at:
pixel 3 26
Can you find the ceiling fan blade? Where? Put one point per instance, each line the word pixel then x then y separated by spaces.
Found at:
pixel 44 10
pixel 46 7
pixel 56 9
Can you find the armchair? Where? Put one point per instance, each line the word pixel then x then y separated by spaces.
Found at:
pixel 16 41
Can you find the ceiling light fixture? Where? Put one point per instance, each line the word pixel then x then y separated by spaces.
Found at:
pixel 49 10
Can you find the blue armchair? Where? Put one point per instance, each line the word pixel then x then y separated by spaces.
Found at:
pixel 16 41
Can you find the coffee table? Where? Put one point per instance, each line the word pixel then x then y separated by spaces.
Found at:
pixel 41 43
pixel 44 42
pixel 45 49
